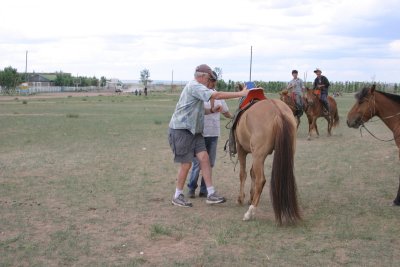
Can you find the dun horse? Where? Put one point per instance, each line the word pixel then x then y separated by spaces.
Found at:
pixel 314 110
pixel 371 102
pixel 267 126
pixel 289 100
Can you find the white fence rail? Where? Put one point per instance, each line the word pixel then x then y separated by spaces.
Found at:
pixel 52 89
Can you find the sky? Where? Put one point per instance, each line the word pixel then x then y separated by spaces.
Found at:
pixel 355 40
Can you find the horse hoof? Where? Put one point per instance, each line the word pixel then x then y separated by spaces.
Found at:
pixel 249 214
pixel 309 138
pixel 395 203
pixel 240 201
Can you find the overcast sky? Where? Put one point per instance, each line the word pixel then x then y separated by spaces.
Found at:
pixel 355 40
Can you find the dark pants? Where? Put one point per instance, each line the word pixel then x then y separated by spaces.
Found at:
pixel 299 104
pixel 324 99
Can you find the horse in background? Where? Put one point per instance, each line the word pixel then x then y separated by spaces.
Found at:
pixel 314 110
pixel 371 102
pixel 265 127
pixel 289 100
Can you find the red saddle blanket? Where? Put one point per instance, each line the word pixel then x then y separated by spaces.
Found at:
pixel 253 95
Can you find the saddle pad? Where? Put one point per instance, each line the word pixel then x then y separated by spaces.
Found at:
pixel 255 94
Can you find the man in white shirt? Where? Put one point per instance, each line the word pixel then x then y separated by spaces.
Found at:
pixel 211 133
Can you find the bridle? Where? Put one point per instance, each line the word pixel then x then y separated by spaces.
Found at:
pixel 373 113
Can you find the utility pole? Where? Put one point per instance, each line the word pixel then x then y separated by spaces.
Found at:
pixel 251 60
pixel 26 66
pixel 172 81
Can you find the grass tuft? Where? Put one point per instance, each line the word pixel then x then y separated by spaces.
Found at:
pixel 72 115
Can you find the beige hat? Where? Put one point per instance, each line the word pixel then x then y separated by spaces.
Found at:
pixel 317 70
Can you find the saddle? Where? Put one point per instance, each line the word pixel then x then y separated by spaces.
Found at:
pixel 252 97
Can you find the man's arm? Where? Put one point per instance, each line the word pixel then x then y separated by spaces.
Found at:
pixel 229 95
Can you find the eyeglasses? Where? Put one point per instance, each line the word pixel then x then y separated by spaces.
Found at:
pixel 212 80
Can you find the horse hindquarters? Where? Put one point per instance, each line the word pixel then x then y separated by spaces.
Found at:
pixel 283 184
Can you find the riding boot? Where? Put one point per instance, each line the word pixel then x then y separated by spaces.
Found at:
pixel 326 108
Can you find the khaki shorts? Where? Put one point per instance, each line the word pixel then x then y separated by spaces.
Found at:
pixel 185 145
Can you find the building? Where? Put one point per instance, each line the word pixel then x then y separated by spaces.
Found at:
pixel 41 79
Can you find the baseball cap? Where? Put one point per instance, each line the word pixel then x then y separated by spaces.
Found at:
pixel 206 69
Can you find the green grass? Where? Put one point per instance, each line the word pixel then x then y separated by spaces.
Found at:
pixel 88 181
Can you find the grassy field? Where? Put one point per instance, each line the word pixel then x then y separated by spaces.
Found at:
pixel 88 181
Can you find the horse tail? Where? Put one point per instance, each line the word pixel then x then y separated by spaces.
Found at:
pixel 336 118
pixel 283 184
pixel 333 105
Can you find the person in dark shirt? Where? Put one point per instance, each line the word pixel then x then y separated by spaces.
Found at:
pixel 322 83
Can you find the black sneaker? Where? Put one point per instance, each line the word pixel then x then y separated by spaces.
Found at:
pixel 181 201
pixel 215 199
pixel 191 194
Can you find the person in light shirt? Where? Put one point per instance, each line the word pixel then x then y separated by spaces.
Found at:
pixel 211 133
pixel 185 133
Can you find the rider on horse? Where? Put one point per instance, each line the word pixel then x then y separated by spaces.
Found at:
pixel 296 86
pixel 322 83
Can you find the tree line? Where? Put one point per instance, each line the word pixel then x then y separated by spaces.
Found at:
pixel 10 79
pixel 340 87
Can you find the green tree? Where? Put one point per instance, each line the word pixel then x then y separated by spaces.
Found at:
pixel 63 79
pixel 103 81
pixel 9 79
pixel 145 77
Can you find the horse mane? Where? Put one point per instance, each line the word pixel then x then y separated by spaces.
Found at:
pixel 395 98
pixel 364 92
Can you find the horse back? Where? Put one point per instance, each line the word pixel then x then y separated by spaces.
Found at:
pixel 257 126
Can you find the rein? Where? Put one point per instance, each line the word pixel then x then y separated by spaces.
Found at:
pixel 374 136
pixel 372 113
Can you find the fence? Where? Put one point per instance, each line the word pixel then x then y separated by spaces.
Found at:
pixel 49 89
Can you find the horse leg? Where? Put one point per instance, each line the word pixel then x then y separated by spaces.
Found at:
pixel 316 126
pixel 329 120
pixel 258 169
pixel 253 179
pixel 242 175
pixel 309 128
pixel 396 202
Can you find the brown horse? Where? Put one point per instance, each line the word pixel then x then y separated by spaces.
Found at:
pixel 370 103
pixel 267 126
pixel 314 110
pixel 289 100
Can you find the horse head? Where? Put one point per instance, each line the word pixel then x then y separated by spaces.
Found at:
pixel 284 96
pixel 363 109
pixel 310 98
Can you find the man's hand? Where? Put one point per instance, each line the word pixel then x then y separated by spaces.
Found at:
pixel 216 109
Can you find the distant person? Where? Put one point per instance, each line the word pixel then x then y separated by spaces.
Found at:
pixel 185 132
pixel 136 92
pixel 140 92
pixel 145 91
pixel 296 86
pixel 211 133
pixel 322 83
